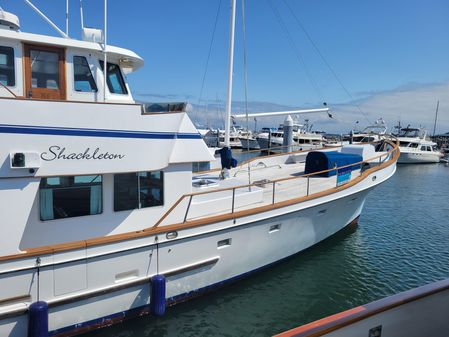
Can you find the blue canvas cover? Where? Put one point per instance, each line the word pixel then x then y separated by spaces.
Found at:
pixel 320 161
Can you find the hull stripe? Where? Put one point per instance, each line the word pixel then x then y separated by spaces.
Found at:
pixel 62 131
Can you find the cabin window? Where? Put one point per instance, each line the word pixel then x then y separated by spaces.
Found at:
pixel 115 81
pixel 70 196
pixel 84 81
pixel 138 190
pixel 7 73
pixel 44 69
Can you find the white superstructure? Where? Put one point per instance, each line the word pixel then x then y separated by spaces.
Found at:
pixel 416 149
pixel 97 194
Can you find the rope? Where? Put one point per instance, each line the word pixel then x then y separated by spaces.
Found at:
pixel 209 53
pixel 296 50
pixel 324 60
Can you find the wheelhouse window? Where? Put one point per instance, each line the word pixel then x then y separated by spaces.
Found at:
pixel 7 72
pixel 116 83
pixel 138 190
pixel 70 196
pixel 83 79
pixel 44 69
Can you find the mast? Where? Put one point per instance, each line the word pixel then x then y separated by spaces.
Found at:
pixel 230 70
pixel 436 116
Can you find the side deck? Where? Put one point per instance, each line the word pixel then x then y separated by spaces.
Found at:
pixel 265 181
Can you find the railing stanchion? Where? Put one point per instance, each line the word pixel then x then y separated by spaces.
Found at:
pixel 308 185
pixel 188 207
pixel 274 189
pixel 233 200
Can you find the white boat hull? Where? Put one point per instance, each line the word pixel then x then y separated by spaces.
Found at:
pixel 419 157
pixel 249 143
pixel 115 277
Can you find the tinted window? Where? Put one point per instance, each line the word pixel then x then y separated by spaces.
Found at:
pixel 7 74
pixel 138 190
pixel 44 69
pixel 116 84
pixel 66 197
pixel 84 81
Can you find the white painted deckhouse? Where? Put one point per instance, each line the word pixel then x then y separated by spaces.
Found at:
pixel 98 200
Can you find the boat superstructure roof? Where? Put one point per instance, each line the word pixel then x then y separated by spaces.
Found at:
pixel 129 60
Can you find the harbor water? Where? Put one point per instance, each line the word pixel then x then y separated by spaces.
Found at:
pixel 401 242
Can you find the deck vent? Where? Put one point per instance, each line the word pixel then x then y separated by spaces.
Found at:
pixel 224 243
pixel 9 21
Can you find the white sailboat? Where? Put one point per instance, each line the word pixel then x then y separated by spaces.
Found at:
pixel 101 217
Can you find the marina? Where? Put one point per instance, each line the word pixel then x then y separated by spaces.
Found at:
pixel 122 215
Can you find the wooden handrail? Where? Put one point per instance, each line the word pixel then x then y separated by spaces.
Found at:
pixel 271 181
pixel 8 90
pixel 342 319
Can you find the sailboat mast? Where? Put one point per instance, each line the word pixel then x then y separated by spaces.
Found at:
pixel 230 70
pixel 436 116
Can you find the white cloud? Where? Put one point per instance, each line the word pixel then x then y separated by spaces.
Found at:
pixel 412 104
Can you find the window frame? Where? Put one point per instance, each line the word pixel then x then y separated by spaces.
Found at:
pixel 91 74
pixel 121 79
pixel 44 93
pixel 14 72
pixel 138 186
pixel 101 196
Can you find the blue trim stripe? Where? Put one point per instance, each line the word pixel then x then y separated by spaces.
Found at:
pixel 62 131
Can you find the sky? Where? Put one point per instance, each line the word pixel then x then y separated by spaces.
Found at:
pixel 365 59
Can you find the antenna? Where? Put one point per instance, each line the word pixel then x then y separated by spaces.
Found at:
pixel 81 14
pixel 47 19
pixel 67 17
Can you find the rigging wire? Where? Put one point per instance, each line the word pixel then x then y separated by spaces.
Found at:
pixel 209 53
pixel 333 72
pixel 296 50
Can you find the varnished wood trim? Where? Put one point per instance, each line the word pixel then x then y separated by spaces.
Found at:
pixel 43 250
pixel 334 322
pixel 55 94
pixel 8 90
